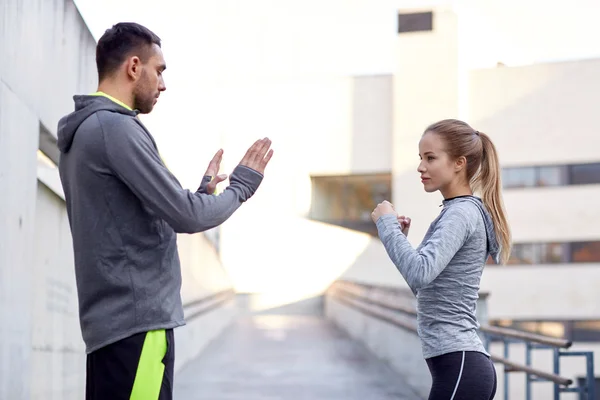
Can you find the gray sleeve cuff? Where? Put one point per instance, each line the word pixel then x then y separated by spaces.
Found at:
pixel 205 181
pixel 248 178
pixel 387 223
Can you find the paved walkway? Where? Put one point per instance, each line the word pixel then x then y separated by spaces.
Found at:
pixel 275 357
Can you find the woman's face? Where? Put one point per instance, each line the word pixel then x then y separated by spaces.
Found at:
pixel 436 168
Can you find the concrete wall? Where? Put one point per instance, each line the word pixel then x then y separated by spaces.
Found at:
pixel 399 348
pixel 18 143
pixel 372 123
pixel 541 105
pixel 42 45
pixel 41 350
pixel 58 352
pixel 60 56
pixel 202 275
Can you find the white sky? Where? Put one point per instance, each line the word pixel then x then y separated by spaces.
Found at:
pixel 267 37
pixel 208 43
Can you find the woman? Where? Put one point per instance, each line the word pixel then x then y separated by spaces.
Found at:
pixel 445 270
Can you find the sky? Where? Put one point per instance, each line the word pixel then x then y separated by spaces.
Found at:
pixel 346 36
pixel 213 47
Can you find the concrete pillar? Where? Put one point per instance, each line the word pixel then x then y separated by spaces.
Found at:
pixel 19 132
pixel 425 90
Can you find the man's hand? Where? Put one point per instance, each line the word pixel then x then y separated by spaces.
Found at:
pixel 382 209
pixel 258 156
pixel 213 170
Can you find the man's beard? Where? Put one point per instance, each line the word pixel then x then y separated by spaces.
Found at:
pixel 143 98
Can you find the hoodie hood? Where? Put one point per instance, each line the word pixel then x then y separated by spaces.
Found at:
pixel 84 107
pixel 493 246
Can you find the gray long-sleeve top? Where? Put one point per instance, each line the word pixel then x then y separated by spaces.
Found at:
pixel 444 272
pixel 124 209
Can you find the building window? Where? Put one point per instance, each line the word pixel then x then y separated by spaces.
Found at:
pixel 582 252
pixel 522 253
pixel 555 253
pixel 574 330
pixel 518 177
pixel 415 22
pixel 349 200
pixel 584 174
pixel 585 331
pixel 551 175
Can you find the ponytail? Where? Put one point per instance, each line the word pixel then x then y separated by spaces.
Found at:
pixel 483 172
pixel 489 184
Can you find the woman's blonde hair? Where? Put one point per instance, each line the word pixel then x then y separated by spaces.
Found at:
pixel 483 172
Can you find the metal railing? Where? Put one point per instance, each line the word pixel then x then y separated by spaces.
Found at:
pixel 390 305
pixel 539 342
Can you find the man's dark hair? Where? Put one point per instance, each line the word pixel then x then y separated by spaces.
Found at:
pixel 119 42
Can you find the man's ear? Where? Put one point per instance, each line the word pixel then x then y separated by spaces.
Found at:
pixel 134 67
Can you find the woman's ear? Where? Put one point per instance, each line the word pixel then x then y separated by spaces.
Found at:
pixel 460 163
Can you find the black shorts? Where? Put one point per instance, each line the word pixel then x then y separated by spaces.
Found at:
pixel 139 367
pixel 462 375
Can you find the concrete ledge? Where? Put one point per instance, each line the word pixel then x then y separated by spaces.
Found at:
pixel 206 318
pixel 396 345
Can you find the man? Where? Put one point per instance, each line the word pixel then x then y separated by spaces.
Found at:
pixel 124 209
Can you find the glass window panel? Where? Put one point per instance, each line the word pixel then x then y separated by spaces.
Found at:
pixel 519 177
pixel 415 22
pixel 582 252
pixel 552 253
pixel 529 253
pixel 348 200
pixel 550 176
pixel 583 174
pixel 586 331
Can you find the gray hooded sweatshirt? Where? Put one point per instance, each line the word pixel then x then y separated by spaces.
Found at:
pixel 124 209
pixel 444 272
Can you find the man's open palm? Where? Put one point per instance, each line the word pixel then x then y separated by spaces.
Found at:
pixel 258 155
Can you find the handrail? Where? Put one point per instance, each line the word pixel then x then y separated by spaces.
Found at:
pixel 526 336
pixel 365 309
pixel 511 366
pixel 362 298
pixel 354 289
pixel 393 307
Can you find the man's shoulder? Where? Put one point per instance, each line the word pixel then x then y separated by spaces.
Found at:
pixel 114 123
pixel 108 117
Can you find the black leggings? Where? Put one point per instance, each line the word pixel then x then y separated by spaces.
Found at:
pixel 462 375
